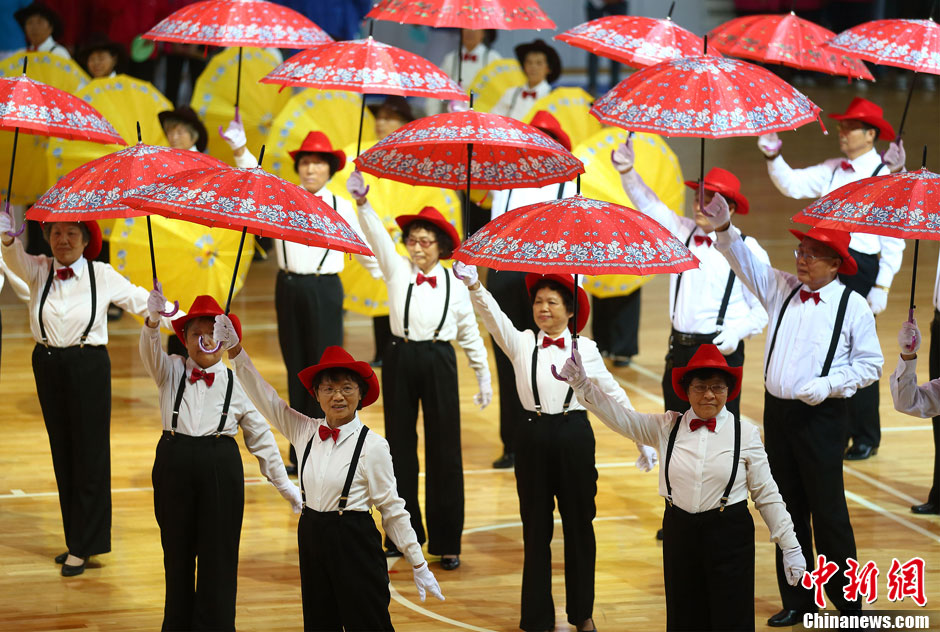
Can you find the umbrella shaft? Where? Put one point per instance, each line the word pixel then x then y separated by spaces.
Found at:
pixel 153 259
pixel 238 80
pixel 701 175
pixel 914 273
pixel 16 137
pixel 238 258
pixel 466 206
pixel 907 104
pixel 362 114
pixel 459 57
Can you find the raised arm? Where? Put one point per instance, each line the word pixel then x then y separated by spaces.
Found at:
pixel 810 182
pixel 495 321
pixel 643 198
pixel 26 267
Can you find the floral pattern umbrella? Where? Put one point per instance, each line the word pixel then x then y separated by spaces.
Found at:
pixel 467 14
pixel 911 44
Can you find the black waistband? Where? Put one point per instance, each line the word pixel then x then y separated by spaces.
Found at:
pixel 779 402
pixel 103 348
pixel 283 272
pixel 572 414
pixel 730 510
pixel 862 255
pixel 395 338
pixel 178 436
pixel 336 515
pixel 691 340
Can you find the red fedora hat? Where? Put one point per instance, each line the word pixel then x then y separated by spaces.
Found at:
pixel 319 143
pixel 707 357
pixel 550 125
pixel 338 358
pixel 584 305
pixel 431 214
pixel 867 112
pixel 722 181
pixel 203 306
pixel 93 249
pixel 838 240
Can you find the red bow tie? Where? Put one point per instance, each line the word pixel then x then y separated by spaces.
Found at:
pixel 702 239
pixel 432 280
pixel 805 296
pixel 65 273
pixel 326 432
pixel 529 94
pixel 548 342
pixel 845 165
pixel 695 424
pixel 469 57
pixel 197 375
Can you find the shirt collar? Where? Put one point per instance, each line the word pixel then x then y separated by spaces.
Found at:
pixel 566 336
pixel 866 163
pixel 77 266
pixel 721 418
pixel 47 45
pixel 479 50
pixel 218 367
pixel 436 271
pixel 830 291
pixel 346 430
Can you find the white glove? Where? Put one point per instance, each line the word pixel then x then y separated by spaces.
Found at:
pixel 909 337
pixel 647 459
pixel 426 583
pixel 466 273
pixel 6 223
pixel 156 302
pixel 877 300
pixel 485 396
pixel 794 565
pixel 622 158
pixel 769 144
pixel 223 332
pixel 290 493
pixel 573 371
pixel 895 158
pixel 717 212
pixel 815 391
pixel 457 106
pixel 234 134
pixel 356 185
pixel 727 341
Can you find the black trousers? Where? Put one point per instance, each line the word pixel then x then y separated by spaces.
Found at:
pixel 864 419
pixel 616 324
pixel 934 495
pixel 309 319
pixel 381 334
pixel 199 500
pixel 74 389
pixel 555 459
pixel 508 288
pixel 343 573
pixel 425 373
pixel 679 356
pixel 804 448
pixel 708 568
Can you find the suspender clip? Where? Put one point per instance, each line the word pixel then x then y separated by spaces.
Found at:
pixel 538 410
pixel 669 500
pixel 406 335
pixel 724 501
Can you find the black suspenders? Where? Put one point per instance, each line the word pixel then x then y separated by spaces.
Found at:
pixel 726 297
pixel 535 384
pixel 350 473
pixel 45 293
pixel 440 325
pixel 734 463
pixel 225 405
pixel 326 251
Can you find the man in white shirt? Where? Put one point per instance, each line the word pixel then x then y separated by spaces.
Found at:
pixel 42 26
pixel 542 67
pixel 822 349
pixel 476 53
pixel 878 258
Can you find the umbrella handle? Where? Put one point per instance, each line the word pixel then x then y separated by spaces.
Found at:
pixel 171 313
pixel 574 345
pixel 205 350
pixel 11 233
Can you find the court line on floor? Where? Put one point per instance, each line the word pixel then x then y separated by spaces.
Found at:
pixel 864 502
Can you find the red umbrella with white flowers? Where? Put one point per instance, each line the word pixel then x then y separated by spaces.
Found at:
pixel 464 14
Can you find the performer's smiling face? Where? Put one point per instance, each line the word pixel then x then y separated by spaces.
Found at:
pixel 708 396
pixel 313 172
pixel 339 398
pixel 550 312
pixel 67 241
pixel 423 248
pixel 816 263
pixel 101 63
pixel 536 68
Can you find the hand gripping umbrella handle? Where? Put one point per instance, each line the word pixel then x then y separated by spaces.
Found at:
pixel 205 350
pixel 574 345
pixel 6 209
pixel 171 313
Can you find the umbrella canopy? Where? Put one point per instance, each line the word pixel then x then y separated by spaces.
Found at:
pixel 705 97
pixel 52 70
pixel 911 44
pixel 785 39
pixel 214 97
pixel 367 67
pixel 635 40
pixel 506 153
pixel 570 106
pixel 576 235
pixel 467 14
pixel 492 81
pixel 252 23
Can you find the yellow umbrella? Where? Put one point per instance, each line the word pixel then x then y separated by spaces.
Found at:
pixel 493 80
pixel 214 98
pixel 192 259
pixel 50 69
pixel 363 294
pixel 333 112
pixel 656 164
pixel 571 106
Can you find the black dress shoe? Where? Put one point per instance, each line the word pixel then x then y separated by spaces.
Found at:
pixel 61 557
pixel 291 469
pixel 506 461
pixel 786 618
pixel 71 571
pixel 659 535
pixel 621 362
pixel 392 551
pixel 926 508
pixel 860 452
pixel 450 563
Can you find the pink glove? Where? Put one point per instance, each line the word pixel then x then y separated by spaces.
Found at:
pixel 623 157
pixel 895 157
pixel 356 185
pixel 234 134
pixel 909 337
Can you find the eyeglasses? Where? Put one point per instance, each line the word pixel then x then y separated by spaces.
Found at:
pixel 850 126
pixel 717 389
pixel 799 254
pixel 347 391
pixel 425 243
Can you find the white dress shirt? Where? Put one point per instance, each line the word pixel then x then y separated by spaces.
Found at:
pixel 518 345
pixel 427 303
pixel 68 304
pixel 701 461
pixel 909 398
pixel 826 177
pixel 511 199
pixel 702 288
pixel 324 473
pixel 16 283
pixel 49 45
pixel 806 331
pixel 201 407
pixel 516 102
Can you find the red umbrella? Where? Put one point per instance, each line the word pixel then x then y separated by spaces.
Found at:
pixel 785 39
pixel 464 14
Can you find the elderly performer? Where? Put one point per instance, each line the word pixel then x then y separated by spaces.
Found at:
pixel 554 443
pixel 715 461
pixel 821 348
pixel 69 295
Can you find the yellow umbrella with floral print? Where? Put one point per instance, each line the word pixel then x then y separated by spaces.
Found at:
pixel 492 82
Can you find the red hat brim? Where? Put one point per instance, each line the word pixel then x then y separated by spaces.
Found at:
pixel 885 131
pixel 584 304
pixel 707 359
pixel 435 218
pixel 362 369
pixel 319 143
pixel 741 205
pixel 849 265
pixel 203 306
